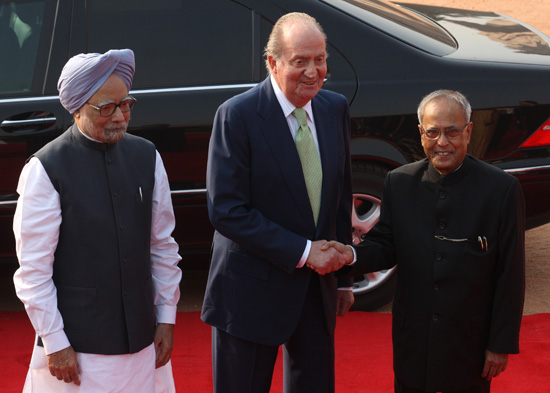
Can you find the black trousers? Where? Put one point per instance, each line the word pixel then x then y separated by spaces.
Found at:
pixel 483 387
pixel 241 366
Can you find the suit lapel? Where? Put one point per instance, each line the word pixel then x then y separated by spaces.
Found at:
pixel 276 133
pixel 328 147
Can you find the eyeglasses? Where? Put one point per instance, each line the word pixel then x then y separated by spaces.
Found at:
pixel 107 110
pixel 451 133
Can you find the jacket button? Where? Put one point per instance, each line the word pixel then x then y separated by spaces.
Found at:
pixel 439 257
pixel 442 225
pixel 442 194
pixel 436 287
pixel 435 317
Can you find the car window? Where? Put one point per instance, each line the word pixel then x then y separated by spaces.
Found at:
pixel 175 44
pixel 401 23
pixel 21 28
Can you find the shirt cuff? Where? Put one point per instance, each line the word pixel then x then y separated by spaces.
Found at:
pixel 166 314
pixel 305 255
pixel 55 342
pixel 354 256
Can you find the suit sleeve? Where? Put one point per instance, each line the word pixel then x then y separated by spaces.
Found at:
pixel 229 194
pixel 509 281
pixel 376 252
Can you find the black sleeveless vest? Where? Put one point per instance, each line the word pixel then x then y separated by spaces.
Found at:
pixel 102 268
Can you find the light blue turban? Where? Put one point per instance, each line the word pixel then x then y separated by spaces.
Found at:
pixel 84 74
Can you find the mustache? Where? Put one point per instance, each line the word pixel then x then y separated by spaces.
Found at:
pixel 116 128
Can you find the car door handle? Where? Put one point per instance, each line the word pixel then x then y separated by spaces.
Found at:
pixel 25 122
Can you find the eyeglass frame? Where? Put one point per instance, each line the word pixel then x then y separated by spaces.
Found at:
pixel 445 131
pixel 128 98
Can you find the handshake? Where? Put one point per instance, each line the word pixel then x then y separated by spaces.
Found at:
pixel 326 257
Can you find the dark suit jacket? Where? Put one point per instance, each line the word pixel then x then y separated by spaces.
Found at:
pixel 258 204
pixel 453 300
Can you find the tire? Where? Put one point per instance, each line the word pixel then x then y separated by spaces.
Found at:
pixel 372 290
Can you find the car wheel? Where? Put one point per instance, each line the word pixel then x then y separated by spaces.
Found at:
pixel 371 290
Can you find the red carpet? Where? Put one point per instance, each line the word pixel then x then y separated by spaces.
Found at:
pixel 363 355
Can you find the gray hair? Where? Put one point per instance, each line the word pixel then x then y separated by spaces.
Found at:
pixel 450 96
pixel 274 47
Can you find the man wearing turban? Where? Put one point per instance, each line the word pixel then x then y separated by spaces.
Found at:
pixel 98 268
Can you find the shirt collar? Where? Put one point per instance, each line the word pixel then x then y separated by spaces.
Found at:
pixel 455 176
pixel 286 105
pixel 90 142
pixel 86 135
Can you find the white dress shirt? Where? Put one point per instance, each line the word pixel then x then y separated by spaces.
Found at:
pixel 293 126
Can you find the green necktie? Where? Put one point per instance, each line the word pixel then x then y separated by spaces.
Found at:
pixel 311 163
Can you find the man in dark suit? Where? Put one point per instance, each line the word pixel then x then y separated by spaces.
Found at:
pixel 455 228
pixel 273 202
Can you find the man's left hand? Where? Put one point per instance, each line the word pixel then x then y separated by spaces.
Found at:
pixel 344 302
pixel 164 342
pixel 63 365
pixel 495 363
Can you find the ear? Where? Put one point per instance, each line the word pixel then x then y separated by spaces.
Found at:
pixel 469 131
pixel 420 130
pixel 272 64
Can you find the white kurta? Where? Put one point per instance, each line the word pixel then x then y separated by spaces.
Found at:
pixel 39 209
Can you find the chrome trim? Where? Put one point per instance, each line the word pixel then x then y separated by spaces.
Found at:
pixel 176 192
pixel 183 192
pixel 526 169
pixel 203 190
pixel 29 99
pixel 194 88
pixel 145 91
pixel 27 122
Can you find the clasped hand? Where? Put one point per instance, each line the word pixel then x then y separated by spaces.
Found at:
pixel 326 257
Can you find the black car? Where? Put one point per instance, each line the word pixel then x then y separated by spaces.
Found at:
pixel 193 55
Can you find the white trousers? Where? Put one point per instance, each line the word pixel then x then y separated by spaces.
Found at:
pixel 132 373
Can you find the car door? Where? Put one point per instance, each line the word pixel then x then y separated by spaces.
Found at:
pixel 190 58
pixel 30 112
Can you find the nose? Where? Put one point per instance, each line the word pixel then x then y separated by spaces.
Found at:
pixel 118 115
pixel 311 70
pixel 442 140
